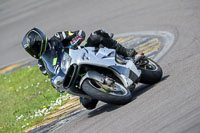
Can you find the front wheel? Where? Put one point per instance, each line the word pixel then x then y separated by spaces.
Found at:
pixel 114 94
pixel 151 72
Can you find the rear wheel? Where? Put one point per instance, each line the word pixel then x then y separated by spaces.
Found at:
pixel 114 94
pixel 151 72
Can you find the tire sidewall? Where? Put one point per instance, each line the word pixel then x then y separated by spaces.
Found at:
pixel 105 97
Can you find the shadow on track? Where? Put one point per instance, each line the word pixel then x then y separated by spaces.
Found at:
pixel 102 109
pixel 144 87
pixel 110 107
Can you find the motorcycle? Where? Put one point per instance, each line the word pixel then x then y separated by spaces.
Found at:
pixel 99 73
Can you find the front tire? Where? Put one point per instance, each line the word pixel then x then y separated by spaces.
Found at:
pixel 151 73
pixel 97 90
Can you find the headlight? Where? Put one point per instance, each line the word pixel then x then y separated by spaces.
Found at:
pixel 65 62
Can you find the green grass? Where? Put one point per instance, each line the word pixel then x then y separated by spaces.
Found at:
pixel 22 93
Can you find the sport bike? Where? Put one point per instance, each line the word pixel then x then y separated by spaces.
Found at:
pixel 99 73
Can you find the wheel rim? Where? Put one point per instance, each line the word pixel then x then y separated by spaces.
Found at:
pixel 114 89
pixel 150 66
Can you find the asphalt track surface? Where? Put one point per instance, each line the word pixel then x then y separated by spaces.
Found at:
pixel 170 106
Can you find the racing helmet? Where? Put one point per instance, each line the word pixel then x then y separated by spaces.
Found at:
pixel 35 42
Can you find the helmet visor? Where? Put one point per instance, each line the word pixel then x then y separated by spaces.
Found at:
pixel 31 49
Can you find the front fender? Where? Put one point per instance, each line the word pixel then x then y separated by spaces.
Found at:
pixel 92 75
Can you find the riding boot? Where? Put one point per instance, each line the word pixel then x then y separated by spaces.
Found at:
pixel 125 51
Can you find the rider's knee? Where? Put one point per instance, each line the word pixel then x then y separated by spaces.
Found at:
pixel 88 103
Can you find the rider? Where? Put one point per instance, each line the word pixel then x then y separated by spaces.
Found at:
pixel 35 42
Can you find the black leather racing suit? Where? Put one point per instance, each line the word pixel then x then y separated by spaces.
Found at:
pixel 102 37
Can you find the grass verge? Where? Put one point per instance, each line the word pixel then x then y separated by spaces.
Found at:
pixel 26 96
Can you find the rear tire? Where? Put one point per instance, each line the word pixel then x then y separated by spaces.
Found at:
pixel 151 76
pixel 95 92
